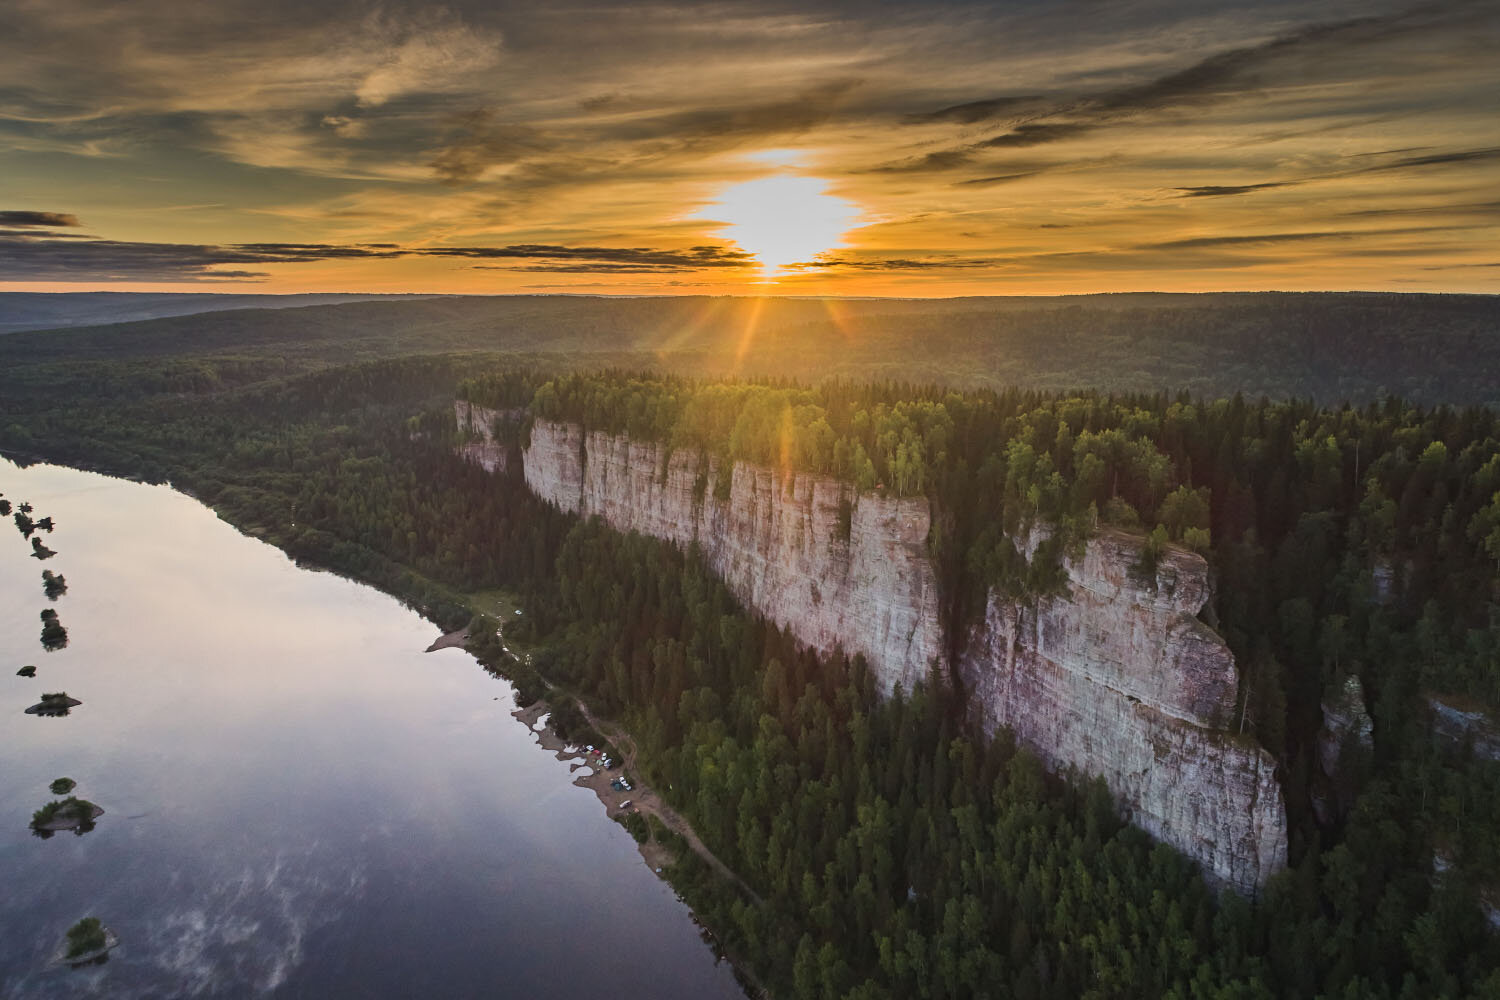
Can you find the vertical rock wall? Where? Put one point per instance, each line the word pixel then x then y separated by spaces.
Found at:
pixel 778 540
pixel 478 423
pixel 1119 679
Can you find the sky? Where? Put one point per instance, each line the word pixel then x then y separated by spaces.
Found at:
pixel 867 148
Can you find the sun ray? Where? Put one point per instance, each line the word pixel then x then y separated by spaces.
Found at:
pixel 747 333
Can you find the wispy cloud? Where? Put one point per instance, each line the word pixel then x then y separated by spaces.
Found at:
pixel 982 143
pixel 38 219
pixel 41 255
pixel 1221 190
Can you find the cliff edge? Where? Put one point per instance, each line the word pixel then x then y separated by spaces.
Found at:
pixel 1119 679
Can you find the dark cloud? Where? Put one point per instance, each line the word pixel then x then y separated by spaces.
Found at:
pixel 1223 76
pixel 1436 159
pixel 1268 238
pixel 479 141
pixel 292 253
pixel 692 257
pixel 946 159
pixel 1244 240
pixel 895 263
pixel 1000 178
pixel 38 255
pixel 702 128
pixel 1035 134
pixel 973 111
pixel 38 219
pixel 1480 208
pixel 547 160
pixel 1404 163
pixel 1220 190
pixel 590 268
pixel 48 234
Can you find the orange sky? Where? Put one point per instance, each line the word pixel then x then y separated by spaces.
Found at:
pixel 870 149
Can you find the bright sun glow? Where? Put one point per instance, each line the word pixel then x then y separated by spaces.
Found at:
pixel 783 220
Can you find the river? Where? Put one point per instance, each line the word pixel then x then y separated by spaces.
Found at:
pixel 298 801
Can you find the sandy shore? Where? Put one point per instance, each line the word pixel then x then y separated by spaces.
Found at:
pixel 597 781
pixel 450 640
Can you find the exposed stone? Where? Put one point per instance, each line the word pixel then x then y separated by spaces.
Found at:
pixel 1465 725
pixel 1382 582
pixel 480 446
pixel 777 539
pixel 1120 680
pixel 1344 720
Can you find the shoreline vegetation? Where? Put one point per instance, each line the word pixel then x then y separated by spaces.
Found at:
pixel 897 852
pixel 663 836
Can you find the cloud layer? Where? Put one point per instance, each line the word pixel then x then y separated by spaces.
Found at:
pixel 1050 147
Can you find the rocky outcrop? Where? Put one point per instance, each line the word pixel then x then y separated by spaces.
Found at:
pixel 1464 726
pixel 836 569
pixel 1346 725
pixel 1120 680
pixel 476 425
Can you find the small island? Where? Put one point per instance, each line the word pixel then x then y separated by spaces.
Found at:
pixel 71 813
pixel 54 705
pixel 87 941
pixel 26 671
pixel 40 551
pixel 54 584
pixel 54 635
pixel 62 786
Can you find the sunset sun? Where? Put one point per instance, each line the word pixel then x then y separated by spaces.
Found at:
pixel 782 219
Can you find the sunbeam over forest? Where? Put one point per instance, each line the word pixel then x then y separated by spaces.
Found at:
pixel 821 501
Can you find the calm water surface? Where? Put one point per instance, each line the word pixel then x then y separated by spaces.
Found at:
pixel 299 801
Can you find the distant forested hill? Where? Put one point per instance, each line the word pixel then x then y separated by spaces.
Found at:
pixel 1330 347
pixel 44 311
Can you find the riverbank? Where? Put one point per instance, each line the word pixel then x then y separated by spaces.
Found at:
pixel 641 799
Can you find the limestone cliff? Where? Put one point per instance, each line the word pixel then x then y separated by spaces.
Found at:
pixel 1117 679
pixel 779 540
pixel 1120 680
pixel 477 425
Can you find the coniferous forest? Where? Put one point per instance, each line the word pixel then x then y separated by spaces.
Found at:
pixel 889 848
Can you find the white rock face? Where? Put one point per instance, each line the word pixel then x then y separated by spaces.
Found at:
pixel 1121 681
pixel 479 422
pixel 777 540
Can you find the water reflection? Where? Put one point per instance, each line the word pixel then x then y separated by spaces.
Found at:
pixel 301 802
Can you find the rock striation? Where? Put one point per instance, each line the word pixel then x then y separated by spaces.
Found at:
pixel 1119 679
pixel 838 570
